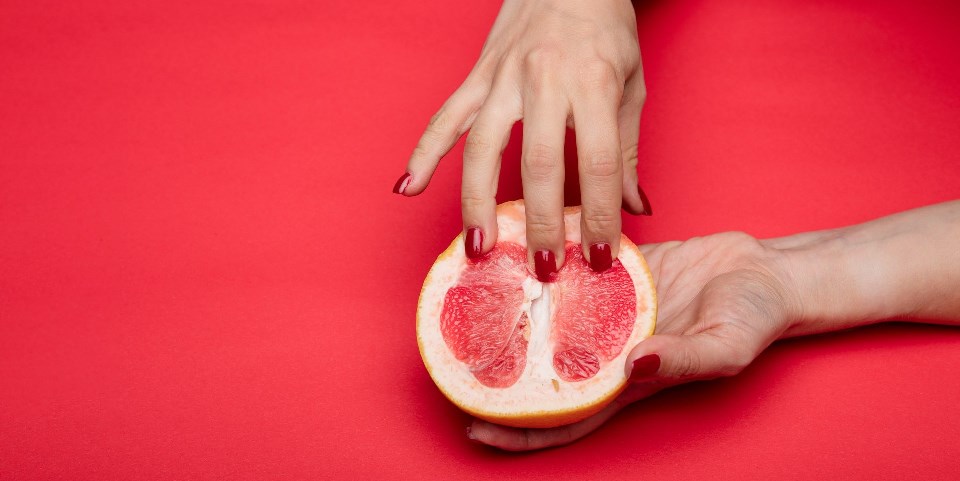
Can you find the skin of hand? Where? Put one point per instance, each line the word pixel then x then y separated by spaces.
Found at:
pixel 724 298
pixel 554 64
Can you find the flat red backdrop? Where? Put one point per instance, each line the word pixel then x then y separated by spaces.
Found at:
pixel 204 275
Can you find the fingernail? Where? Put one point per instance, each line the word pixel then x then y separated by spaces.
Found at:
pixel 647 210
pixel 645 368
pixel 600 257
pixel 545 265
pixel 402 183
pixel 473 243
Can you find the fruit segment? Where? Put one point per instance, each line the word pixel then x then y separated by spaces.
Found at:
pixel 484 324
pixel 512 350
pixel 594 318
pixel 482 320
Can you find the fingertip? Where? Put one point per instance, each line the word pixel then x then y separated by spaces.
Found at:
pixel 631 207
pixel 655 344
pixel 601 256
pixel 473 242
pixel 644 368
pixel 404 186
pixel 600 230
pixel 412 184
pixel 482 432
pixel 401 184
pixel 478 239
pixel 635 201
pixel 647 209
pixel 545 265
pixel 471 436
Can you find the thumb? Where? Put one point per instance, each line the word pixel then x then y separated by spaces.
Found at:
pixel 672 359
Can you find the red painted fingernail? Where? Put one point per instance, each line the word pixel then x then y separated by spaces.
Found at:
pixel 645 368
pixel 647 210
pixel 600 257
pixel 545 265
pixel 473 243
pixel 402 183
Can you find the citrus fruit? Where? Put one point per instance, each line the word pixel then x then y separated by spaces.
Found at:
pixel 509 349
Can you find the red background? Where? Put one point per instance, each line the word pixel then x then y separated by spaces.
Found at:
pixel 203 273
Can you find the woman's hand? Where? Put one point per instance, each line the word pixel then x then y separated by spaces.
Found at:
pixel 722 300
pixel 552 63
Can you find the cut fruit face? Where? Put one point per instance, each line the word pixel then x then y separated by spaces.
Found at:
pixel 507 348
pixel 483 322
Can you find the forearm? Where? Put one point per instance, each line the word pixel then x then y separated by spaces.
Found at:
pixel 904 266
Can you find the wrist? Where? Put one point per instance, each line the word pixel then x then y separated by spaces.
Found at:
pixel 904 266
pixel 837 281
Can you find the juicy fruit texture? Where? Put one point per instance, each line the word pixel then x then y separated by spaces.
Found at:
pixel 482 320
pixel 595 316
pixel 509 349
pixel 485 327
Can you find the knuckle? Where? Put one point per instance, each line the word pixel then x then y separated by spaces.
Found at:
pixel 435 132
pixel 540 162
pixel 421 151
pixel 486 64
pixel 687 365
pixel 472 200
pixel 512 62
pixel 601 222
pixel 478 146
pixel 542 224
pixel 432 135
pixel 603 163
pixel 745 242
pixel 597 74
pixel 636 95
pixel 543 58
pixel 439 120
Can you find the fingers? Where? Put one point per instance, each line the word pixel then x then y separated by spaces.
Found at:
pixel 672 359
pixel 445 127
pixel 600 164
pixel 634 200
pixel 541 168
pixel 528 439
pixel 481 165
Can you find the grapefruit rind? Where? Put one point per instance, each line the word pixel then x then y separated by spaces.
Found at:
pixel 539 399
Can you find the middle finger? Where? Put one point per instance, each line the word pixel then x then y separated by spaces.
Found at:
pixel 541 168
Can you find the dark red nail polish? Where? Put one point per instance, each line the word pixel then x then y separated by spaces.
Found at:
pixel 645 368
pixel 600 257
pixel 473 242
pixel 402 183
pixel 545 265
pixel 647 210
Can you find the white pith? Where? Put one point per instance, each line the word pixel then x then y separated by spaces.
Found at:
pixel 539 389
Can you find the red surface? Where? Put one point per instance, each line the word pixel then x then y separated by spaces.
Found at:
pixel 204 274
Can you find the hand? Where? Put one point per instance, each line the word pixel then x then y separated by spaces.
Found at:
pixel 722 299
pixel 552 63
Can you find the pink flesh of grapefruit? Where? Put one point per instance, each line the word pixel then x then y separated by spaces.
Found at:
pixel 509 349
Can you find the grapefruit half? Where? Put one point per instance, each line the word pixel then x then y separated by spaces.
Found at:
pixel 509 349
